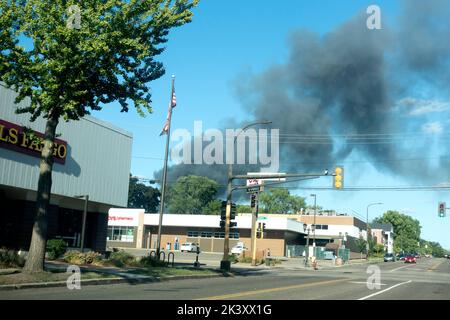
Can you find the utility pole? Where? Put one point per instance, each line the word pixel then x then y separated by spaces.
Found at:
pixel 314 224
pixel 254 222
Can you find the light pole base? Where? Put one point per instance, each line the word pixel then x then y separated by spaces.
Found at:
pixel 225 265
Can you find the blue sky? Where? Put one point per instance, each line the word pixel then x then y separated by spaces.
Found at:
pixel 231 38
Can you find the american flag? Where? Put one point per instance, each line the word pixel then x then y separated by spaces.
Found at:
pixel 173 103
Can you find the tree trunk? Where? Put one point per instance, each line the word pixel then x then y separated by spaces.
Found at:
pixel 36 253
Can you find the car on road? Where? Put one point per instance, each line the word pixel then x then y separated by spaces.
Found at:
pixel 239 248
pixel 401 257
pixel 410 259
pixel 189 247
pixel 389 257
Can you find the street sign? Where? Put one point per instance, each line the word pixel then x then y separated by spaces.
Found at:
pixel 262 218
pixel 255 185
pixel 267 174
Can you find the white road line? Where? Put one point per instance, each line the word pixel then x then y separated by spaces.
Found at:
pixel 356 282
pixel 381 284
pixel 382 291
pixel 399 268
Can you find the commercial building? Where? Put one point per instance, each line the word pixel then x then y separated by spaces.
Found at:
pixel 91 157
pixel 332 230
pixel 128 228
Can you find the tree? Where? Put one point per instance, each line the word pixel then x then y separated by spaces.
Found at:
pixel 241 208
pixel 142 196
pixel 361 244
pixel 82 55
pixel 213 207
pixel 281 201
pixel 191 194
pixel 406 230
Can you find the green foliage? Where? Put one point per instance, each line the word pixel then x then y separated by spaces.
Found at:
pixel 55 248
pixel 76 257
pixel 66 71
pixel 406 230
pixel 281 201
pixel 243 208
pixel 142 196
pixel 361 245
pixel 378 250
pixel 121 259
pixel 10 259
pixel 149 261
pixel 213 207
pixel 191 195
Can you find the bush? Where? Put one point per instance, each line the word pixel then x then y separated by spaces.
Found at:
pixel 148 261
pixel 56 248
pixel 121 258
pixel 10 259
pixel 75 257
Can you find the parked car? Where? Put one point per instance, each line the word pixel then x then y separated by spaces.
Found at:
pixel 189 247
pixel 239 248
pixel 410 259
pixel 401 257
pixel 389 257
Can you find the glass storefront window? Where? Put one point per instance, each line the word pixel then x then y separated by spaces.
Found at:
pixel 123 234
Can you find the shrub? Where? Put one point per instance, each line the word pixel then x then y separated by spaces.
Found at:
pixel 121 258
pixel 75 257
pixel 10 259
pixel 55 248
pixel 148 261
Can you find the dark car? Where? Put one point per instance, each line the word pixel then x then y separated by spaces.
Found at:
pixel 410 259
pixel 389 257
pixel 401 257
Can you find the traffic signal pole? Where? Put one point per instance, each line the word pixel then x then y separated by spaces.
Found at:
pixel 254 222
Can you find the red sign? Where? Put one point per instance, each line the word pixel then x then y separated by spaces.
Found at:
pixel 15 138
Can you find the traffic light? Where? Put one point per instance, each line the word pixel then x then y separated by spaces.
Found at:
pixel 441 209
pixel 338 177
pixel 223 215
pixel 233 211
pixel 223 211
pixel 253 201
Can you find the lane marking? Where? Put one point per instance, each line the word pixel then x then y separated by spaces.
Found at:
pixel 385 290
pixel 262 291
pixel 434 266
pixel 356 282
pixel 401 268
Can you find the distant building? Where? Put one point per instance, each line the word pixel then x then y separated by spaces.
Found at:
pixel 384 234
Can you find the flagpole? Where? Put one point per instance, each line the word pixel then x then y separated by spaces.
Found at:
pixel 163 187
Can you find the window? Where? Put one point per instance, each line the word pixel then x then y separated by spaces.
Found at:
pixel 205 234
pixel 123 234
pixel 324 227
pixel 192 234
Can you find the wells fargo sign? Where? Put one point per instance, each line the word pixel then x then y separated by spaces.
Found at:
pixel 15 138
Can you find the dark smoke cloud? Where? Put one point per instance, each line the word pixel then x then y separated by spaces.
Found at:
pixel 349 81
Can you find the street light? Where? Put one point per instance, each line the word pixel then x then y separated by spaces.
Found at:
pixel 367 227
pixel 315 211
pixel 83 226
pixel 225 263
pixel 305 228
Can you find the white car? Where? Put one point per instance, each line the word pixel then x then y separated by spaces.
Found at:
pixel 238 249
pixel 189 247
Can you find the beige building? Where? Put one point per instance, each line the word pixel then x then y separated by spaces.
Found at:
pixel 132 228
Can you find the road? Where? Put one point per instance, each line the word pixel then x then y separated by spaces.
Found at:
pixel 429 279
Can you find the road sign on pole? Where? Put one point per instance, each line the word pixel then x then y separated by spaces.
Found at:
pixel 255 185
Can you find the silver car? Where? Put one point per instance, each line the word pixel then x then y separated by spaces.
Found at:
pixel 389 257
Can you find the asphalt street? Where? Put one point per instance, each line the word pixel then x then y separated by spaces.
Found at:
pixel 429 279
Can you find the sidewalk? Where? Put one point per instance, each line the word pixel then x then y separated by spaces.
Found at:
pixel 120 275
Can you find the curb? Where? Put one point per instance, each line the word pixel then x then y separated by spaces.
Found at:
pixel 103 281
